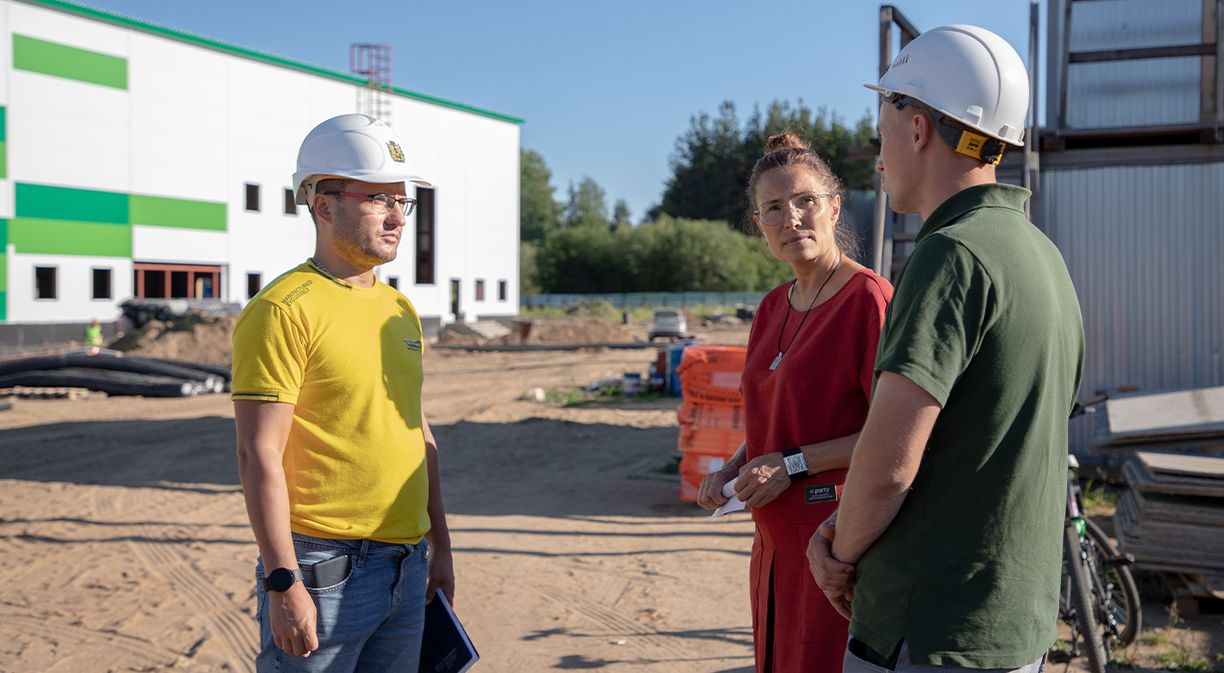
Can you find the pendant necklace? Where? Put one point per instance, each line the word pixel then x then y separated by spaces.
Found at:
pixel 782 351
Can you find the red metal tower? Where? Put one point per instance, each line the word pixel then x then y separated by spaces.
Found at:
pixel 373 62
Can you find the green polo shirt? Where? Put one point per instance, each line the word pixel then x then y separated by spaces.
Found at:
pixel 986 320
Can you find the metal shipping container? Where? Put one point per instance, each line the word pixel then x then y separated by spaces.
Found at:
pixel 1144 245
pixel 1111 94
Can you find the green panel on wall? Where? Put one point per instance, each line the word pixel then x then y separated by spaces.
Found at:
pixel 63 203
pixel 3 124
pixel 61 60
pixel 3 256
pixel 165 212
pixel 67 237
pixel 3 306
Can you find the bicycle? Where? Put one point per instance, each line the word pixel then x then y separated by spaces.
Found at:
pixel 1098 599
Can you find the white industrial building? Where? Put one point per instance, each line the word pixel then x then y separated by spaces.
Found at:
pixel 137 160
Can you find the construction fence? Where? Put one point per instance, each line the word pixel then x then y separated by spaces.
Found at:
pixel 628 300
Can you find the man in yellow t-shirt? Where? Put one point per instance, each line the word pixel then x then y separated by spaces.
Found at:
pixel 339 468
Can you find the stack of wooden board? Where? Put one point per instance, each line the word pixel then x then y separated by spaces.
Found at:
pixel 1172 518
pixel 1183 419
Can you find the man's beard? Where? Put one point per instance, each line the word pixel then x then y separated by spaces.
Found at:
pixel 356 245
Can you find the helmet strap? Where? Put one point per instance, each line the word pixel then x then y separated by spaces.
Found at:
pixel 981 147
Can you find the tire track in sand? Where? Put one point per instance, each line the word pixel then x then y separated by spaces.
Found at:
pixel 615 621
pixel 130 648
pixel 222 617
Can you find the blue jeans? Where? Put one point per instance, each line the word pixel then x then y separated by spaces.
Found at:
pixel 370 621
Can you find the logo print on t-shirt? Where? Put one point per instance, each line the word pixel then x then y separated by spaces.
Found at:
pixel 819 493
pixel 413 345
pixel 296 293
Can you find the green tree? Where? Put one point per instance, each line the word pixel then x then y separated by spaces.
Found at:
pixel 713 159
pixel 528 273
pixel 587 205
pixel 621 214
pixel 537 209
pixel 581 259
pixel 665 255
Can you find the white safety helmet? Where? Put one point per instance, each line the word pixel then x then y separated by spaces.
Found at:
pixel 969 74
pixel 355 147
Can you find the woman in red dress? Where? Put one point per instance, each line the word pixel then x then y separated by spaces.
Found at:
pixel 806 385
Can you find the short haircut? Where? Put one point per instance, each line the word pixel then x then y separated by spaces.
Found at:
pixel 326 185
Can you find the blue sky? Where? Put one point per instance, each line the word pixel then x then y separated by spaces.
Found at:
pixel 605 88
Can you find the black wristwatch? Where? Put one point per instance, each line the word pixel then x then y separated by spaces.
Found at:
pixel 796 464
pixel 282 578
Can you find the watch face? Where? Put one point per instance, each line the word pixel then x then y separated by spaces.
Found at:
pixel 795 464
pixel 280 579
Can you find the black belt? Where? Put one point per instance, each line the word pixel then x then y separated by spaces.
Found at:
pixel 864 651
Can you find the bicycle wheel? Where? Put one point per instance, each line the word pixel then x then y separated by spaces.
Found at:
pixel 1123 603
pixel 1089 630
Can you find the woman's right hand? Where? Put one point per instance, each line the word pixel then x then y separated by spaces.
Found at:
pixel 709 495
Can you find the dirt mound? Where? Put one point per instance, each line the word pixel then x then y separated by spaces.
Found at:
pixel 539 331
pixel 206 340
pixel 576 331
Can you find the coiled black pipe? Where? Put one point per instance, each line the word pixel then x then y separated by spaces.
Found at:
pixel 108 381
pixel 134 364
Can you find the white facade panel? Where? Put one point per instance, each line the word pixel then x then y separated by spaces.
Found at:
pixel 74 284
pixel 179 246
pixel 65 132
pixel 179 118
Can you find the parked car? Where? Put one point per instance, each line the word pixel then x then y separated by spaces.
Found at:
pixel 668 323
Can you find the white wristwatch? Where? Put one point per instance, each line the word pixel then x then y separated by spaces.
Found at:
pixel 796 464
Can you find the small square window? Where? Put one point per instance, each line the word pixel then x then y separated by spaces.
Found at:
pixel 480 290
pixel 290 202
pixel 254 284
pixel 44 282
pixel 393 281
pixel 252 197
pixel 101 284
pixel 501 290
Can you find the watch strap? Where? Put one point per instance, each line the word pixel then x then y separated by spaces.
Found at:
pixel 795 463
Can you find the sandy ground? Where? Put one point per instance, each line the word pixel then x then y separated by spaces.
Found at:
pixel 126 546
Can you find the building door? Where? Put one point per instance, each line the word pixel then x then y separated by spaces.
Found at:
pixel 176 281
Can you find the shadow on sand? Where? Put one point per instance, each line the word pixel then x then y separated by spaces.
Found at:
pixel 535 467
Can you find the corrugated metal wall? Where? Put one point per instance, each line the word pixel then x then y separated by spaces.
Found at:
pixel 1127 93
pixel 1144 245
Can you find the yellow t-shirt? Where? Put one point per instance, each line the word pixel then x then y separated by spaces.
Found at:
pixel 349 359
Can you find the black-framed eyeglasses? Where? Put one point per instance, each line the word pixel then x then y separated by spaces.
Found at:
pixel 382 203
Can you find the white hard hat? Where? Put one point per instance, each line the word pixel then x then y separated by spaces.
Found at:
pixel 354 147
pixel 967 73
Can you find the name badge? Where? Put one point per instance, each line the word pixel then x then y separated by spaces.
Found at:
pixel 819 493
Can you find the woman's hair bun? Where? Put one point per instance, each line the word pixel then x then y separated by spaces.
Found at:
pixel 784 141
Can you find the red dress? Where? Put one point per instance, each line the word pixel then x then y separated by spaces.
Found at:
pixel 818 392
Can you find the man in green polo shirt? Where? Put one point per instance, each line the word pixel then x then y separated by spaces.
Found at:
pixel 947 547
